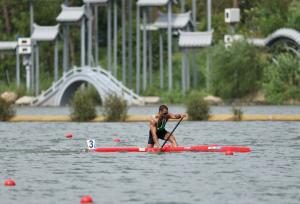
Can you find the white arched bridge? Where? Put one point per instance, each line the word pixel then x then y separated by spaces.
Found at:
pixel 282 40
pixel 289 34
pixel 62 90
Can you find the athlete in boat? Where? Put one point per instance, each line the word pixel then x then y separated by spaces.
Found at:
pixel 157 127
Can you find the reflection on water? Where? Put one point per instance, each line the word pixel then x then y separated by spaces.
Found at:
pixel 48 168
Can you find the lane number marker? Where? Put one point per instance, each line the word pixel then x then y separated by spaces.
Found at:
pixel 91 144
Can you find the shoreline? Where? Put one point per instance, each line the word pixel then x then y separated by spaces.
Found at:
pixel 145 118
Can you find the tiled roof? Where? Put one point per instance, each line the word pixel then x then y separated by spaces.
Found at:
pixel 8 45
pixel 153 2
pixel 95 1
pixel 179 21
pixel 149 27
pixel 44 33
pixel 70 14
pixel 195 39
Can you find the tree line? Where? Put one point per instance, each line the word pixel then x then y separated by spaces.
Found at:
pixel 235 72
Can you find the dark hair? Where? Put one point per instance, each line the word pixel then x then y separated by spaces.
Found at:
pixel 163 107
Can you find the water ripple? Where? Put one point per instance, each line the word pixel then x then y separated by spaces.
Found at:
pixel 52 168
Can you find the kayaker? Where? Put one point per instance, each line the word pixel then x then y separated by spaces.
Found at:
pixel 157 127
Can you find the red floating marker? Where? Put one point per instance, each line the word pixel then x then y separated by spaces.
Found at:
pixel 69 135
pixel 228 153
pixel 9 182
pixel 117 140
pixel 86 199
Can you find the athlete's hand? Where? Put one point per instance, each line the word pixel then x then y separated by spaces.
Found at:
pixel 183 115
pixel 157 145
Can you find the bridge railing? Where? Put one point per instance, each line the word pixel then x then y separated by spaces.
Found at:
pixel 53 88
pixel 118 83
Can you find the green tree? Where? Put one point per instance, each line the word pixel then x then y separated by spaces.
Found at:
pixel 236 71
pixel 258 18
pixel 264 17
pixel 294 15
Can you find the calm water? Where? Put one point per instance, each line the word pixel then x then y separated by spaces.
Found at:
pixel 48 168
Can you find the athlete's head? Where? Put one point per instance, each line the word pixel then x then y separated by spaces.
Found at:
pixel 163 110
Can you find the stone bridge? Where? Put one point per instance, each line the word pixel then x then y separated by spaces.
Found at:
pixel 62 90
pixel 280 34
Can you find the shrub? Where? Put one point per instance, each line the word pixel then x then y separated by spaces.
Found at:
pixel 236 71
pixel 283 79
pixel 83 107
pixel 237 113
pixel 172 97
pixel 19 90
pixel 115 108
pixel 6 110
pixel 197 107
pixel 94 95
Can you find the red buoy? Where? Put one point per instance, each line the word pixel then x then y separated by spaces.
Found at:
pixel 86 199
pixel 9 182
pixel 69 135
pixel 117 140
pixel 228 153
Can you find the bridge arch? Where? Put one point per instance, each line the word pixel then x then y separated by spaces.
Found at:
pixel 283 34
pixel 281 41
pixel 284 40
pixel 61 91
pixel 69 89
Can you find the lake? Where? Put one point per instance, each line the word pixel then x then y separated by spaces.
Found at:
pixel 48 168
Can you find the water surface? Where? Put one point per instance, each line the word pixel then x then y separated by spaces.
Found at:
pixel 48 168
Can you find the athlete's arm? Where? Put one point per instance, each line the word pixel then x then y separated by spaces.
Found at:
pixel 153 129
pixel 176 116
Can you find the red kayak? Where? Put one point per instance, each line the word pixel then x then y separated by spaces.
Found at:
pixel 200 148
